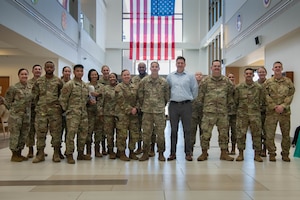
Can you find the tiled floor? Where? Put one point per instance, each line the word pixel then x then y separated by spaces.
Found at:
pixel 107 179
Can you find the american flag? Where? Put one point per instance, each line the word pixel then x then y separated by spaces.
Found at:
pixel 152 35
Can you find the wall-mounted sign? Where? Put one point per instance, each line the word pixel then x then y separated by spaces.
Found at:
pixel 266 3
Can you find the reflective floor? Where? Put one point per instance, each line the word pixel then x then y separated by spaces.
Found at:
pixel 102 178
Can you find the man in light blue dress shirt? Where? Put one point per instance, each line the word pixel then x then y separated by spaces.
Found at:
pixel 183 89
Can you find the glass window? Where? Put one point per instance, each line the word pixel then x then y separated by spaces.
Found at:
pixel 166 66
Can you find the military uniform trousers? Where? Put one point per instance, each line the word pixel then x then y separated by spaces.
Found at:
pixel 232 128
pixel 127 124
pixel 109 130
pixel 51 121
pixel 30 140
pixel 270 127
pixel 151 120
pixel 242 124
pixel 207 125
pixel 95 126
pixel 19 127
pixel 263 134
pixel 196 122
pixel 77 125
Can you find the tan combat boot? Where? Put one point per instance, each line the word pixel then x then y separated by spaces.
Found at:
pixel 20 155
pixel 132 155
pixel 30 152
pixel 263 152
pixel 257 156
pixel 203 156
pixel 232 149
pixel 145 155
pixel 88 150
pixel 56 157
pixel 161 156
pixel 272 157
pixel 70 159
pixel 97 151
pixel 240 156
pixel 285 157
pixel 123 156
pixel 40 156
pixel 225 156
pixel 81 156
pixel 151 152
pixel 112 155
pixel 139 150
pixel 15 157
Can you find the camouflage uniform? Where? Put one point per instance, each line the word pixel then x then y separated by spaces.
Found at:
pixel 126 99
pixel 109 103
pixel 30 141
pixel 103 81
pixel 217 97
pixel 94 115
pixel 64 121
pixel 136 80
pixel 153 96
pixel 278 92
pixel 18 100
pixel 73 99
pixel 101 127
pixel 232 128
pixel 46 92
pixel 196 118
pixel 249 101
pixel 263 119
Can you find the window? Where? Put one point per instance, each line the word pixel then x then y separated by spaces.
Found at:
pixel 166 66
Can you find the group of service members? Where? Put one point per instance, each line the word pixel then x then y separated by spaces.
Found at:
pixel 105 113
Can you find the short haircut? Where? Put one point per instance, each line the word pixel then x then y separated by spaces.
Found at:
pixel 78 66
pixel 215 61
pixel 248 68
pixel 277 62
pixel 36 65
pixel 180 58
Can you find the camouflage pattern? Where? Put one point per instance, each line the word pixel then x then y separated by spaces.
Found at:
pixel 126 99
pixel 196 117
pixel 73 100
pixel 64 120
pixel 30 141
pixel 232 123
pixel 136 80
pixel 278 92
pixel 217 97
pixel 232 128
pixel 249 101
pixel 109 103
pixel 153 95
pixel 46 92
pixel 18 100
pixel 263 118
pixel 103 81
pixel 95 117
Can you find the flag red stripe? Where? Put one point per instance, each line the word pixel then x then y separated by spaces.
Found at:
pixel 131 31
pixel 159 38
pixel 152 38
